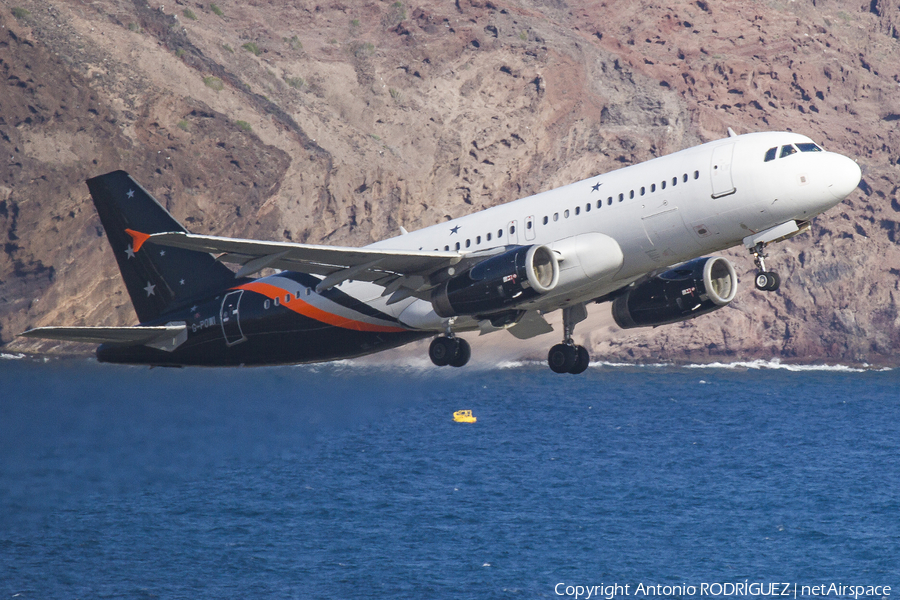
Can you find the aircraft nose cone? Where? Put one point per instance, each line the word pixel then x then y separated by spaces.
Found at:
pixel 843 175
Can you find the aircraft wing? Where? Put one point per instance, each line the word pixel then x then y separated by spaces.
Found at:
pixel 394 269
pixel 163 336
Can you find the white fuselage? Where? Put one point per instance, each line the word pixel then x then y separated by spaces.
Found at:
pixel 659 213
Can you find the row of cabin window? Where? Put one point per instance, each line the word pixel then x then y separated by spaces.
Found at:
pixel 489 236
pixel 609 200
pixel 587 208
pixel 287 298
pixel 789 149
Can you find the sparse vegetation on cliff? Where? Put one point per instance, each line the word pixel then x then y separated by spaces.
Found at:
pixel 214 83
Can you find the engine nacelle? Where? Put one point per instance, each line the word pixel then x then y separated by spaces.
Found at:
pixel 681 293
pixel 498 283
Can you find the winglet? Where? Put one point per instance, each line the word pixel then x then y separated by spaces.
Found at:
pixel 138 237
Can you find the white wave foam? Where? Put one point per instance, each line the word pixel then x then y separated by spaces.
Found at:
pixel 776 364
pixel 421 364
pixel 5 356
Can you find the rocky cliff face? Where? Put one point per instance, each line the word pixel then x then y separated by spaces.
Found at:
pixel 340 122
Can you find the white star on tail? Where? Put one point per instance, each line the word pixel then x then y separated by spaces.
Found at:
pixel 130 251
pixel 130 194
pixel 150 289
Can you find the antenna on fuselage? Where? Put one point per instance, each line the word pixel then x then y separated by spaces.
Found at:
pixel 731 132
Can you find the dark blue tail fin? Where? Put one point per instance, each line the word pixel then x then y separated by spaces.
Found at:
pixel 158 279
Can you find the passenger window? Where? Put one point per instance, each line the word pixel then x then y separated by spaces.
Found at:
pixel 663 185
pixel 631 195
pixel 652 187
pixel 621 198
pixel 478 240
pixel 512 229
pixel 546 219
pixel 696 174
pixel 457 245
pixel 770 154
pixel 643 191
pixel 809 148
pixel 266 305
pixel 529 224
pixel 556 216
pixel 787 151
pixel 685 177
pixel 674 181
pixel 446 248
pixel 287 298
pixel 277 301
pixel 577 210
pixel 489 237
pixel 587 208
pixel 468 243
pixel 566 213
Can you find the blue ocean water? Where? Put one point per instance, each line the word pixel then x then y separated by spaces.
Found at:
pixel 347 481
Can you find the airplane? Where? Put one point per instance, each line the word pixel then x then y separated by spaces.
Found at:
pixel 637 237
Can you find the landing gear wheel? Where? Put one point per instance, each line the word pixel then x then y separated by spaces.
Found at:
pixel 463 353
pixel 562 358
pixel 443 350
pixel 768 281
pixel 581 362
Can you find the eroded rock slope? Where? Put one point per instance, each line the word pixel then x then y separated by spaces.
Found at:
pixel 339 122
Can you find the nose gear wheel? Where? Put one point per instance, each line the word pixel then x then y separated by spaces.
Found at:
pixel 766 281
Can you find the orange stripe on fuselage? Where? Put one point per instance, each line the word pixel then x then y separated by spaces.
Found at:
pixel 308 310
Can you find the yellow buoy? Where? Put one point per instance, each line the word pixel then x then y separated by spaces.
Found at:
pixel 464 416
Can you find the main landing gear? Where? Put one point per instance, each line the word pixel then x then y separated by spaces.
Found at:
pixel 766 281
pixel 449 350
pixel 568 357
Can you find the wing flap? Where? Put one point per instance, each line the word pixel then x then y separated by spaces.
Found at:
pixel 532 324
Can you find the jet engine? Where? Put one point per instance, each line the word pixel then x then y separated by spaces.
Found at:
pixel 686 291
pixel 498 283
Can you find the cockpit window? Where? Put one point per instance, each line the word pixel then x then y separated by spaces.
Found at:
pixel 809 148
pixel 787 151
pixel 770 154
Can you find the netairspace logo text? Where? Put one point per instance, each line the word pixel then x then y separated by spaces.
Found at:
pixel 721 590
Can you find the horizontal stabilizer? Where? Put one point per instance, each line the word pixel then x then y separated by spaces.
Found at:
pixel 164 337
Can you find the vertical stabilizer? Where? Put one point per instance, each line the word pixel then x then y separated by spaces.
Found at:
pixel 158 279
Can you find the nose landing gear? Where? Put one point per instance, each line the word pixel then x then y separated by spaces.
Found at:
pixel 568 357
pixel 766 281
